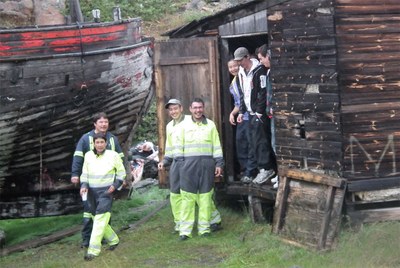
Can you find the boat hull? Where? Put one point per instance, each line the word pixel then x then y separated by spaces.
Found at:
pixel 47 101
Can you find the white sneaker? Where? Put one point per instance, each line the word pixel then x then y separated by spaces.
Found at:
pixel 274 179
pixel 263 176
pixel 276 185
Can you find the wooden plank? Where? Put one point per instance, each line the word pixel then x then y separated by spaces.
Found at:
pixel 373 184
pixel 312 177
pixel 183 60
pixel 327 217
pixel 255 209
pixel 41 241
pixel 366 2
pixel 280 205
pixel 374 215
pixel 371 107
pixel 368 9
pixel 264 191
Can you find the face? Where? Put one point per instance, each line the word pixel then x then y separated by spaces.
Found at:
pixel 100 145
pixel 197 110
pixel 233 67
pixel 175 111
pixel 264 60
pixel 245 62
pixel 101 125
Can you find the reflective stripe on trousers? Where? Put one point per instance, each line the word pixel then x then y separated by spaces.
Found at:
pixel 204 202
pixel 101 229
pixel 176 207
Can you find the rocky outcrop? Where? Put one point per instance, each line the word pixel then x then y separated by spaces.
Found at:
pixel 31 12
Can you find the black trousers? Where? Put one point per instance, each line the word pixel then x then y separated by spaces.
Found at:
pixel 260 141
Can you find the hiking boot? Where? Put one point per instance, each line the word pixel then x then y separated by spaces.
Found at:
pixel 89 257
pixel 246 179
pixel 263 176
pixel 113 247
pixel 215 227
pixel 205 235
pixel 183 237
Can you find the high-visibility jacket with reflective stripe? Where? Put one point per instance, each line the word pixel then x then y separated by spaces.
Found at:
pixel 174 140
pixel 102 170
pixel 202 139
pixel 86 144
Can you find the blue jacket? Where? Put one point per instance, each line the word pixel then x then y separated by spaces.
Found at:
pixel 86 144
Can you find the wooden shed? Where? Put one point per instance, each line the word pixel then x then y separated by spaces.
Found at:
pixel 336 82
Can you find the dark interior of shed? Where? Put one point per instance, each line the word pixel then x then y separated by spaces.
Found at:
pixel 251 42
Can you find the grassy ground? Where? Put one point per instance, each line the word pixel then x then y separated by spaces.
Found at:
pixel 240 244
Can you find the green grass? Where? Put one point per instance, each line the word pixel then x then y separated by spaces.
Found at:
pixel 240 244
pixel 22 229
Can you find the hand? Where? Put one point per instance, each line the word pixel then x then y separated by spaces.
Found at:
pixel 161 166
pixel 111 189
pixel 75 179
pixel 83 190
pixel 218 172
pixel 240 118
pixel 232 119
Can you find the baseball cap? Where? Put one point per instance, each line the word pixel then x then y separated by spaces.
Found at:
pixel 240 53
pixel 172 101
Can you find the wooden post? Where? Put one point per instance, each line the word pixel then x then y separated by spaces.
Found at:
pixel 255 209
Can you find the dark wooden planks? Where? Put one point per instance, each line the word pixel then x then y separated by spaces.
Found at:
pixel 304 75
pixel 308 208
pixel 369 60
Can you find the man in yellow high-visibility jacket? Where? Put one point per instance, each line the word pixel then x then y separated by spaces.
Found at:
pixel 174 156
pixel 103 172
pixel 85 144
pixel 203 161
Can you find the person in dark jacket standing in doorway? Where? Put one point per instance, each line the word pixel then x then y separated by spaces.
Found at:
pixel 264 56
pixel 253 81
pixel 244 152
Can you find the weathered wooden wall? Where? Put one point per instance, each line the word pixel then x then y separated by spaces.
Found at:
pixel 304 75
pixel 368 39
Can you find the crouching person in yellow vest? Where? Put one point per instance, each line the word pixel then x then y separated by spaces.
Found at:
pixel 103 172
pixel 202 162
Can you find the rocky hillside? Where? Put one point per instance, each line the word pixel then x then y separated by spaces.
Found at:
pixel 15 13
pixel 29 12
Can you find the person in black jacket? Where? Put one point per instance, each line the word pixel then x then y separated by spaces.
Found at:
pixel 253 81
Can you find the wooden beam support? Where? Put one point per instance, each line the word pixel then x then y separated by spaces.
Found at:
pixel 312 177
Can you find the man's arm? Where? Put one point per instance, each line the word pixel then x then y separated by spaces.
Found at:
pixel 77 160
pixel 260 84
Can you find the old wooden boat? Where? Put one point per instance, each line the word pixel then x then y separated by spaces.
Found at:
pixel 52 80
